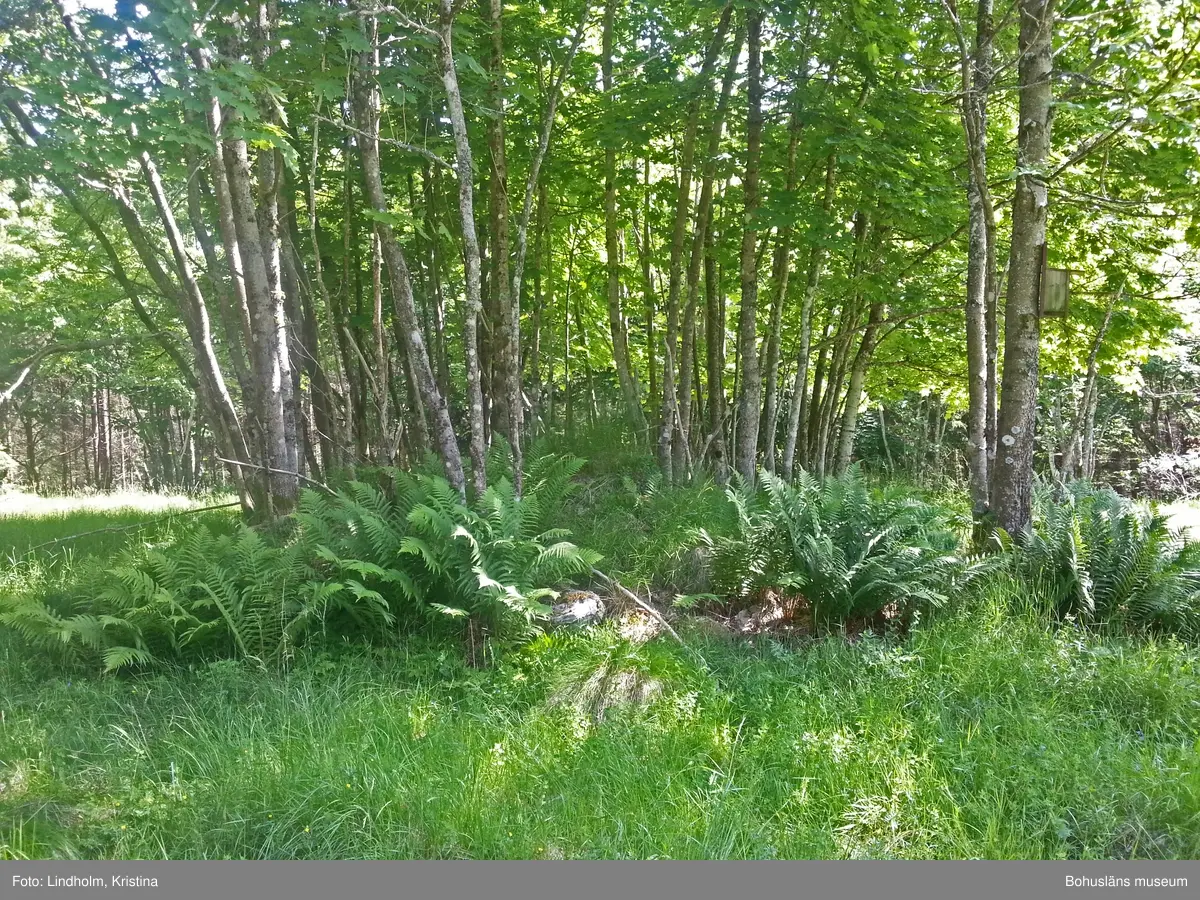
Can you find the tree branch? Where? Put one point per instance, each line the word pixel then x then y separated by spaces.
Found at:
pixel 411 148
pixel 245 465
pixel 28 366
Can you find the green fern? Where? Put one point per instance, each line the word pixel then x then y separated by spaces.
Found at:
pixel 849 550
pixel 361 563
pixel 1107 561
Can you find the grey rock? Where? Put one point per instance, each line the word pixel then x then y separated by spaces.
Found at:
pixel 578 608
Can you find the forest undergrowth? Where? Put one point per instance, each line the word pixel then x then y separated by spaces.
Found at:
pixel 1033 702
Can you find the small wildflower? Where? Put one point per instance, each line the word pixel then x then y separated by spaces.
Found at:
pixel 347 785
pixel 269 816
pixel 122 827
pixel 118 803
pixel 306 830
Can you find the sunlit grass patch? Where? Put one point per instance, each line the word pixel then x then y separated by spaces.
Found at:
pixel 101 522
pixel 981 735
pixel 25 505
pixel 1184 515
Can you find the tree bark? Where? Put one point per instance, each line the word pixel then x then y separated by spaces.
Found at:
pixel 366 100
pixel 799 404
pixel 1085 416
pixel 714 339
pixel 504 371
pixel 515 402
pixel 616 317
pixel 471 254
pixel 1012 481
pixel 701 237
pixel 976 82
pixel 268 163
pixel 815 398
pixel 780 270
pixel 644 254
pixel 668 425
pixel 31 469
pixel 854 390
pixel 104 472
pixel 750 393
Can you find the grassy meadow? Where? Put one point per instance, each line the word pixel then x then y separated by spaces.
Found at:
pixel 105 523
pixel 983 733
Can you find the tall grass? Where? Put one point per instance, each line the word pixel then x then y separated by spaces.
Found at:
pixel 104 521
pixel 980 736
pixel 651 534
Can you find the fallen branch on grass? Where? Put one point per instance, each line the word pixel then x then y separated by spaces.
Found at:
pixel 630 595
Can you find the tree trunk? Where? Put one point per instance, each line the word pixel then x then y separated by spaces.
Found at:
pixel 267 165
pixel 306 334
pixel 644 254
pixel 383 449
pixel 750 392
pixel 541 293
pixel 471 254
pixel 835 410
pixel 858 373
pixel 1088 441
pixel 104 471
pixel 354 370
pixel 799 406
pixel 668 426
pixel 193 309
pixel 1012 481
pixel 701 237
pixel 813 409
pixel 328 433
pixel 976 82
pixel 838 359
pixel 438 300
pixel 714 339
pixel 366 99
pixel 1084 417
pixel 31 469
pixel 780 270
pixel 515 401
pixel 232 312
pixel 588 377
pixel 504 371
pixel 616 318
pixel 568 399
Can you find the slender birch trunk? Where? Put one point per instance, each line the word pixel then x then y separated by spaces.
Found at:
pixel 749 401
pixel 669 423
pixel 471 255
pixel 616 316
pixel 780 270
pixel 366 102
pixel 799 405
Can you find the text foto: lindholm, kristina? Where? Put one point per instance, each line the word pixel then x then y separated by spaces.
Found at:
pixel 87 881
